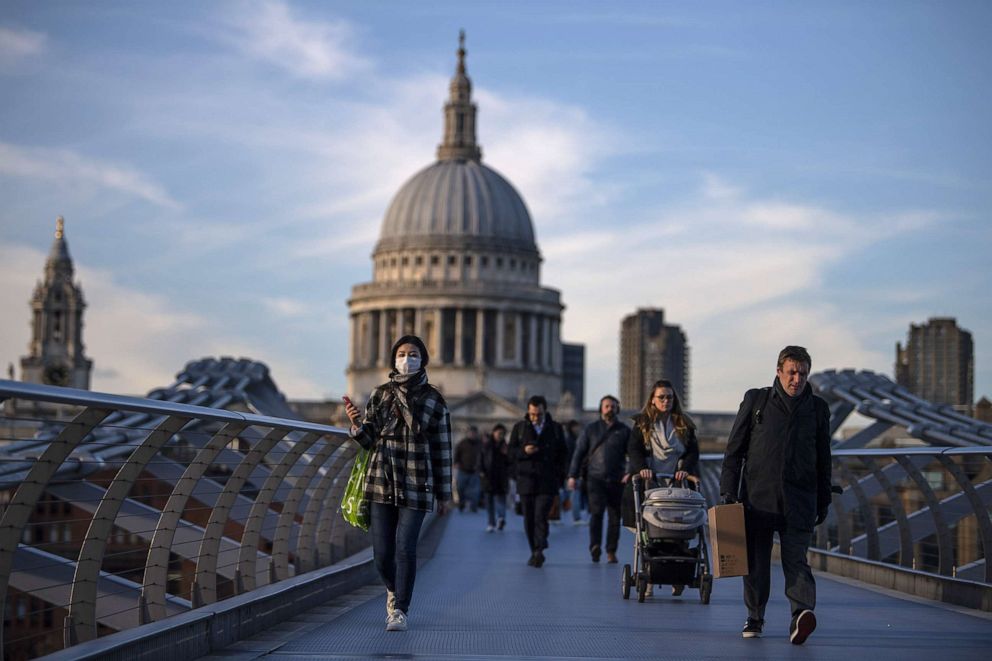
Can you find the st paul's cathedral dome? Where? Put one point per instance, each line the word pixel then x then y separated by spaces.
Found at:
pixel 457 263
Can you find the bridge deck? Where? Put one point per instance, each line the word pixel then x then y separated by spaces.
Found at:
pixel 477 599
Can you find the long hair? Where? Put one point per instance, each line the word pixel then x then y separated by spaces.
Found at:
pixel 646 419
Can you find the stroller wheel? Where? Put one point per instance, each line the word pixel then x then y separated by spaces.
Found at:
pixel 642 588
pixel 626 581
pixel 705 588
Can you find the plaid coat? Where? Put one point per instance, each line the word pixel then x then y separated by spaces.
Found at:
pixel 407 468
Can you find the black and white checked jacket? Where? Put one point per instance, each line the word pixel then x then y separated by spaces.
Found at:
pixel 407 469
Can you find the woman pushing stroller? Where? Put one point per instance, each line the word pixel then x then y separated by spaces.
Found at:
pixel 664 442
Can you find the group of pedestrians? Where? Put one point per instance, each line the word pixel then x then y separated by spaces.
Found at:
pixel 777 463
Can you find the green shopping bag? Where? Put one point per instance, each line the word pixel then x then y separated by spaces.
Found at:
pixel 354 505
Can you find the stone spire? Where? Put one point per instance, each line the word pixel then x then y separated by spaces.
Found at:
pixel 56 355
pixel 458 141
pixel 59 264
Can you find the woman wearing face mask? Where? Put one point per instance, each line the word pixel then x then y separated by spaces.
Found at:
pixel 663 441
pixel 406 427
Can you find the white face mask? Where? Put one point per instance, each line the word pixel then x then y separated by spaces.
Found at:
pixel 407 364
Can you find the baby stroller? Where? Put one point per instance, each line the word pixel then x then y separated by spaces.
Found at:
pixel 668 521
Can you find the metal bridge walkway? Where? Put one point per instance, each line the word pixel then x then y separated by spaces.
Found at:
pixel 477 599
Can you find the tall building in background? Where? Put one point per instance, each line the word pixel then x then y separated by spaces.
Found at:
pixel 56 355
pixel 573 372
pixel 457 263
pixel 651 350
pixel 938 363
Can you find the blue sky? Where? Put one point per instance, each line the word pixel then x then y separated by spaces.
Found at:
pixel 767 172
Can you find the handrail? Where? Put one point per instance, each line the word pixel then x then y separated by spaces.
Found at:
pixel 905 507
pixel 185 505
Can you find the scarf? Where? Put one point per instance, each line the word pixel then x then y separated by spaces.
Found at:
pixel 401 386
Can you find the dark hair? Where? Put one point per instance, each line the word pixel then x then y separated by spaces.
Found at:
pixel 606 397
pixel 498 426
pixel 538 400
pixel 796 353
pixel 415 341
pixel 646 418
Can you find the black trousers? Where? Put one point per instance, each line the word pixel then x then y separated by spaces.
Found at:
pixel 800 587
pixel 604 497
pixel 536 507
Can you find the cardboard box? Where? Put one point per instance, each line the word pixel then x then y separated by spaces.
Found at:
pixel 728 546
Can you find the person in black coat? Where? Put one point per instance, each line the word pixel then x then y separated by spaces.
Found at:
pixel 495 471
pixel 777 463
pixel 538 451
pixel 601 459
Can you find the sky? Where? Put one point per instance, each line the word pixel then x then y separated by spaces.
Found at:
pixel 768 173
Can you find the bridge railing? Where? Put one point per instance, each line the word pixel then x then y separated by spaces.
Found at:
pixel 924 509
pixel 131 510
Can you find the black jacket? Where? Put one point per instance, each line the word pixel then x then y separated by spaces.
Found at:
pixel 638 454
pixel 495 466
pixel 544 471
pixel 606 448
pixel 787 469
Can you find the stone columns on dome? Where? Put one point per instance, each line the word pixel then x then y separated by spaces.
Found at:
pixel 498 353
pixel 480 330
pixel 439 335
pixel 459 330
pixel 518 326
pixel 383 339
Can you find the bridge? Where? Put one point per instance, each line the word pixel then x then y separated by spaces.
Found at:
pixel 200 521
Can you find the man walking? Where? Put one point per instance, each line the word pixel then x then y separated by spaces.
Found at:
pixel 600 460
pixel 778 463
pixel 537 447
pixel 466 461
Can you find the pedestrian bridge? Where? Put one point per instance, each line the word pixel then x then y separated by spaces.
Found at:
pixel 201 522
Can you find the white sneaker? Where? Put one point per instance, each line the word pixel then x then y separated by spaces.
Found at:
pixel 396 621
pixel 390 604
pixel 490 528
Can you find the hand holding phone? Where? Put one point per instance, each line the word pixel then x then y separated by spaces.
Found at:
pixel 350 409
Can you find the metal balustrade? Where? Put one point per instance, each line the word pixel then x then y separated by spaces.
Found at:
pixel 921 509
pixel 138 509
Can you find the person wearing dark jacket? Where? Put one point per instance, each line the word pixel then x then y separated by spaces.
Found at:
pixel 495 473
pixel 777 463
pixel 407 430
pixel 537 448
pixel 466 458
pixel 663 441
pixel 600 459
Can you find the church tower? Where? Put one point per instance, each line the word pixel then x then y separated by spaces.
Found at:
pixel 56 355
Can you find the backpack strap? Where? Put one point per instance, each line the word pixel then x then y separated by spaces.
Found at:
pixel 762 403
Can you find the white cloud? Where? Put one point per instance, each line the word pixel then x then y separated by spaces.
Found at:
pixel 137 340
pixel 270 31
pixel 67 168
pixel 746 280
pixel 286 307
pixel 16 45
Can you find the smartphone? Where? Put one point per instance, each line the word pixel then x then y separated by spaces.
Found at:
pixel 347 400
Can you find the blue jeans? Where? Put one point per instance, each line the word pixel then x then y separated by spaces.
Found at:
pixel 395 532
pixel 469 490
pixel 496 506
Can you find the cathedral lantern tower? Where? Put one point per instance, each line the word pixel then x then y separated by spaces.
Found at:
pixel 457 263
pixel 56 355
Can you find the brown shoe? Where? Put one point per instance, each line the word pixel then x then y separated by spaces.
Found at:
pixel 611 558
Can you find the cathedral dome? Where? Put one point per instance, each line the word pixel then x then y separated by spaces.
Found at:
pixel 458 203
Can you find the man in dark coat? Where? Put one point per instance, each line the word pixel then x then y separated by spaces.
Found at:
pixel 781 442
pixel 538 451
pixel 600 459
